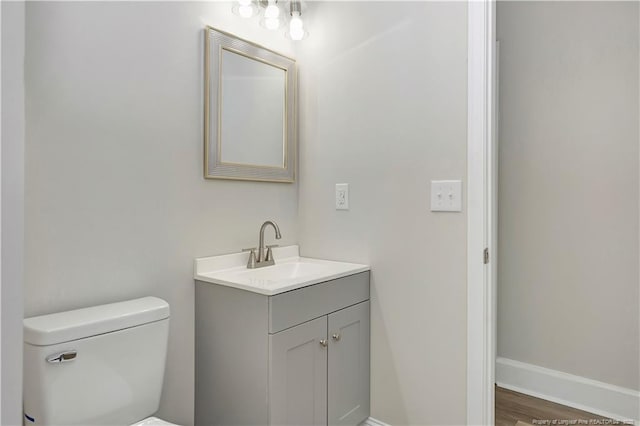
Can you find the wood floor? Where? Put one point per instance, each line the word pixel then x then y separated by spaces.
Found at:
pixel 512 407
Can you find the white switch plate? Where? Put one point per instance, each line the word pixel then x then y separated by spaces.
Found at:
pixel 446 196
pixel 342 196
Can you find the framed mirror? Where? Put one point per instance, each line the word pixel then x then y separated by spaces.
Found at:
pixel 250 111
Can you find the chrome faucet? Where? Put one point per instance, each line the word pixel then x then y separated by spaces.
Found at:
pixel 263 259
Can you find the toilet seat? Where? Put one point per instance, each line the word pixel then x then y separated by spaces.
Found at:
pixel 153 421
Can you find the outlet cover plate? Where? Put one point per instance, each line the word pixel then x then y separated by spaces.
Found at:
pixel 342 196
pixel 446 196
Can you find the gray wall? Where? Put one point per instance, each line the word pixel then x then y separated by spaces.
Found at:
pixel 568 267
pixel 13 121
pixel 384 108
pixel 116 204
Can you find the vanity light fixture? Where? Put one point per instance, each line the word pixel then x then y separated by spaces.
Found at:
pixel 272 18
pixel 244 8
pixel 296 30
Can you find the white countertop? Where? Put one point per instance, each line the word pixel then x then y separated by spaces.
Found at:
pixel 289 273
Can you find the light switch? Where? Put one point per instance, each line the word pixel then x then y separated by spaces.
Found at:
pixel 342 196
pixel 446 196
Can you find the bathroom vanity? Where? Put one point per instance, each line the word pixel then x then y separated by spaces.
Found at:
pixel 285 344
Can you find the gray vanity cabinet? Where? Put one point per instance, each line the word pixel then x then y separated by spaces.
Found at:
pixel 320 370
pixel 295 358
pixel 298 376
pixel 348 365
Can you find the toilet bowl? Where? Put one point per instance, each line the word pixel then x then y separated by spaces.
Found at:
pixel 102 365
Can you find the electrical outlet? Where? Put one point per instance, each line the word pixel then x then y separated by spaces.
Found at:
pixel 342 196
pixel 446 196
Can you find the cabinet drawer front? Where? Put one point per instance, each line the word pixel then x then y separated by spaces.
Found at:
pixel 297 306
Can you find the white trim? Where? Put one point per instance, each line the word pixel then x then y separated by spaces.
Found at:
pixel 480 288
pixel 373 422
pixel 567 389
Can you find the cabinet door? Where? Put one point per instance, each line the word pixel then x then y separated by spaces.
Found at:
pixel 348 369
pixel 298 374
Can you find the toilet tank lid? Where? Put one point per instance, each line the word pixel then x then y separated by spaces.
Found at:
pixel 80 323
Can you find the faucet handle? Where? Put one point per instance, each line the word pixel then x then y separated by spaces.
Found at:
pixel 269 255
pixel 251 263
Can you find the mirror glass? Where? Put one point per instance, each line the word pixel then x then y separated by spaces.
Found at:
pixel 250 111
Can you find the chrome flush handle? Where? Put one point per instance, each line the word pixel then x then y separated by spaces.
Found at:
pixel 66 356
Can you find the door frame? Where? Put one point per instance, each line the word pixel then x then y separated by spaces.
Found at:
pixel 481 213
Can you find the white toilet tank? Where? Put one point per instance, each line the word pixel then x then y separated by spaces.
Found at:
pixel 102 365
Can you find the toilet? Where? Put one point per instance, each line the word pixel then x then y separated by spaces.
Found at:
pixel 102 365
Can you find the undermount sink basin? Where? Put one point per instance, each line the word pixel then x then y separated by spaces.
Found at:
pixel 283 271
pixel 289 273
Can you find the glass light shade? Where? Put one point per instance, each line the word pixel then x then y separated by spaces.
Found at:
pixel 244 8
pixel 296 34
pixel 296 22
pixel 272 11
pixel 296 30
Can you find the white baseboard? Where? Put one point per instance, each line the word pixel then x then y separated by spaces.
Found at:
pixel 373 422
pixel 574 391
